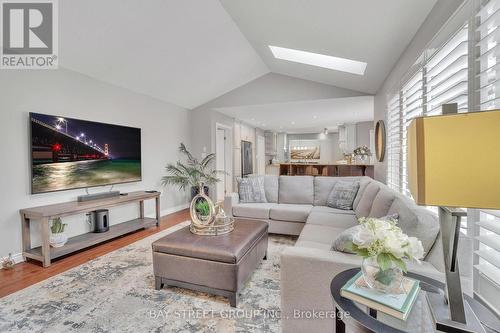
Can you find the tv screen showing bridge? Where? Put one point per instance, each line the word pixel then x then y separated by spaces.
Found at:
pixel 70 153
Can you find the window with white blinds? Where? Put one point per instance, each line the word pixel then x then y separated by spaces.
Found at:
pixel 441 79
pixel 411 107
pixel 487 258
pixel 444 76
pixel 487 89
pixel 447 75
pixel 394 143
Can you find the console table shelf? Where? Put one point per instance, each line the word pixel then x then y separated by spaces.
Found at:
pixel 89 239
pixel 43 214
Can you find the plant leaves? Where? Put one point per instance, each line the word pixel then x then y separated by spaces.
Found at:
pixel 399 263
pixel 384 261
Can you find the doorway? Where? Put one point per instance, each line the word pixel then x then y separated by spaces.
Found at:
pixel 223 160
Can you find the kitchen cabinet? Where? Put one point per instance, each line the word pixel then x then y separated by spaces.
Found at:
pixel 347 138
pixel 271 143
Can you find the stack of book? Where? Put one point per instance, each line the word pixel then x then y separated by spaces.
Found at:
pixel 397 305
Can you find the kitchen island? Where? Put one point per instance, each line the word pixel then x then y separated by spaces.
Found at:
pixel 326 169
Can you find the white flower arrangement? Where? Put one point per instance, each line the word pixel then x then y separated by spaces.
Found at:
pixel 385 241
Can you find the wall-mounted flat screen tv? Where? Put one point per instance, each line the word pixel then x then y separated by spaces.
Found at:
pixel 69 153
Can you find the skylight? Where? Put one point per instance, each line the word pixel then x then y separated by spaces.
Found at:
pixel 320 60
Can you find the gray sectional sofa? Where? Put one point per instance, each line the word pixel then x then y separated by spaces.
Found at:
pixel 297 206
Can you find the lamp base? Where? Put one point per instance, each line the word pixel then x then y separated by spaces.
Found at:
pixel 441 316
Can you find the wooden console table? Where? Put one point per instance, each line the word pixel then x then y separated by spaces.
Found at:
pixel 43 215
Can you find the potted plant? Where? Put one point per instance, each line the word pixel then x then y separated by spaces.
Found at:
pixel 57 236
pixel 194 173
pixel 384 248
pixel 203 209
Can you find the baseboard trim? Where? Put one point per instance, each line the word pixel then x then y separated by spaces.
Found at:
pixel 18 257
pixel 174 209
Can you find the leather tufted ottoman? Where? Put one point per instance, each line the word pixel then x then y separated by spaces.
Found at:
pixel 213 264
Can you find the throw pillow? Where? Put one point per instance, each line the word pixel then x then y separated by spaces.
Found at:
pixel 347 235
pixel 342 195
pixel 251 190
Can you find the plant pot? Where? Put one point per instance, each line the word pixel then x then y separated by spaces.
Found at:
pixel 194 191
pixel 386 281
pixel 58 240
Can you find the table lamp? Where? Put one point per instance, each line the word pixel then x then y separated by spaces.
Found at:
pixel 453 162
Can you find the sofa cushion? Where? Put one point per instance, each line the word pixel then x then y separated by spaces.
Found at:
pixel 342 195
pixel 288 212
pixel 253 210
pixel 382 202
pixel 323 187
pixel 347 236
pixel 416 221
pixel 342 221
pixel 251 189
pixel 365 203
pixel 320 233
pixel 271 186
pixel 296 190
pixel 313 245
pixel 326 209
pixel 363 183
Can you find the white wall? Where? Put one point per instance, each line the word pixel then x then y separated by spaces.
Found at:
pixel 437 18
pixel 66 93
pixel 363 133
pixel 277 88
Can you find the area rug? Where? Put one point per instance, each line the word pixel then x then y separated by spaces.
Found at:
pixel 115 293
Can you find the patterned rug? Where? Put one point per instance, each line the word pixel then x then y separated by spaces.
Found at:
pixel 115 293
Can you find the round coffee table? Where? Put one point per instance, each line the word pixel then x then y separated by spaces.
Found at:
pixel 359 317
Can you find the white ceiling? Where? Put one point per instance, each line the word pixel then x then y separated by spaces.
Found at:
pixel 375 32
pixel 185 52
pixel 291 117
pixel 188 52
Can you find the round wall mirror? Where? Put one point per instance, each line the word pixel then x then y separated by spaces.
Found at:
pixel 380 138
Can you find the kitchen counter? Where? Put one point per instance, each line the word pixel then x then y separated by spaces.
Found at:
pixel 312 163
pixel 326 169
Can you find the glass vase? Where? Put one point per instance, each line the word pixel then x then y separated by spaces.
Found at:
pixel 386 281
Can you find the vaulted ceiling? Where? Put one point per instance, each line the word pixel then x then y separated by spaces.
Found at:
pixel 375 32
pixel 188 52
pixel 185 52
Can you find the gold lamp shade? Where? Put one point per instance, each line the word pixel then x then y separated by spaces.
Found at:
pixel 454 160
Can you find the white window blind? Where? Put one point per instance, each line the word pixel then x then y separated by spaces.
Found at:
pixel 488 87
pixel 447 74
pixel 444 76
pixel 486 259
pixel 442 79
pixel 394 143
pixel 411 107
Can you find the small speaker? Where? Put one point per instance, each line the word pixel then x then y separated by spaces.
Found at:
pixel 99 220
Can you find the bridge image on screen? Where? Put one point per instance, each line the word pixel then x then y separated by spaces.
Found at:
pixel 69 153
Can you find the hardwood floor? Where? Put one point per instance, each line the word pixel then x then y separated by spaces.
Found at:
pixel 28 273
